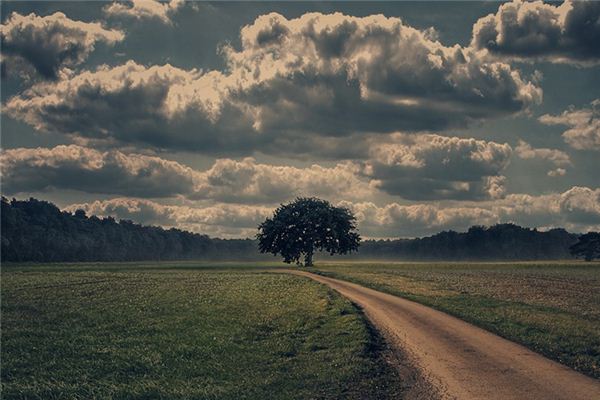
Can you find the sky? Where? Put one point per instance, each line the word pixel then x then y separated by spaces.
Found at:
pixel 418 116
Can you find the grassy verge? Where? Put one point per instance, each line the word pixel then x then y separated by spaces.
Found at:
pixel 552 308
pixel 85 333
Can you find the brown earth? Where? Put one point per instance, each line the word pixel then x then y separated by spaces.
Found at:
pixel 458 360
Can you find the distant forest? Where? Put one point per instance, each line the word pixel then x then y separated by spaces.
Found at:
pixel 495 243
pixel 35 230
pixel 38 231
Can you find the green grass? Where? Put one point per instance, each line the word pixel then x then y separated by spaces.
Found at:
pixel 552 308
pixel 183 331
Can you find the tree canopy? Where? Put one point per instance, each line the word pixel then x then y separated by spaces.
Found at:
pixel 298 229
pixel 587 247
pixel 34 230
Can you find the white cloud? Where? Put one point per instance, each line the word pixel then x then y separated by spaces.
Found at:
pixel 558 158
pixel 427 167
pixel 144 9
pixel 577 209
pixel 581 205
pixel 247 181
pixel 114 172
pixel 396 220
pixel 51 43
pixel 557 172
pixel 534 30
pixel 219 220
pixel 584 131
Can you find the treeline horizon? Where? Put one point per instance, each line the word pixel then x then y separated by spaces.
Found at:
pixel 38 231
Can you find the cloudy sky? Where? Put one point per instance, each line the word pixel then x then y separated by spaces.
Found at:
pixel 420 117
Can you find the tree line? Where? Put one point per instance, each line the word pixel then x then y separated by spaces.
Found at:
pixel 38 231
pixel 497 242
pixel 35 230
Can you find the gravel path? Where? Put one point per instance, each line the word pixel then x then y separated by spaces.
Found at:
pixel 460 360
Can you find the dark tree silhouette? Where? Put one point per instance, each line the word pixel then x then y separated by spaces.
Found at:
pixel 34 230
pixel 306 225
pixel 587 247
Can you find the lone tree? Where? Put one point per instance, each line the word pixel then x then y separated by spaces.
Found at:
pixel 307 225
pixel 587 247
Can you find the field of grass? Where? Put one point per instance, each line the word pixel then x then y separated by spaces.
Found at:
pixel 176 330
pixel 552 308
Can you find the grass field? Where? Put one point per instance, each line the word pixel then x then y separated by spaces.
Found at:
pixel 552 308
pixel 173 330
pixel 237 331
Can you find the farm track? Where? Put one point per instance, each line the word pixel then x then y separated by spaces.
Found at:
pixel 458 359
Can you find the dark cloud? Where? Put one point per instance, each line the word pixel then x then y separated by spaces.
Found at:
pixel 80 168
pixel 565 33
pixel 340 74
pixel 113 172
pixel 161 106
pixel 52 42
pixel 419 167
pixel 293 86
pixel 429 167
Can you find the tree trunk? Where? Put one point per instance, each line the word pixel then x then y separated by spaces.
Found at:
pixel 308 259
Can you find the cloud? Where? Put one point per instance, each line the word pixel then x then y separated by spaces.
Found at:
pixel 160 106
pixel 427 166
pixel 219 220
pixel 51 43
pixel 114 172
pixel 416 167
pixel 558 158
pixel 79 168
pixel 144 9
pixel 523 30
pixel 581 205
pixel 247 181
pixel 577 209
pixel 294 87
pixel 584 131
pixel 557 172
pixel 336 73
pixel 396 220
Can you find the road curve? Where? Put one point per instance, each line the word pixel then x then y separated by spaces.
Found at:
pixel 460 360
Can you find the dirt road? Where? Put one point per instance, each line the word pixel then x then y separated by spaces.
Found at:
pixel 460 360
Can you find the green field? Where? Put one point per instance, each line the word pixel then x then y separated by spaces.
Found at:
pixel 175 330
pixel 241 331
pixel 552 308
